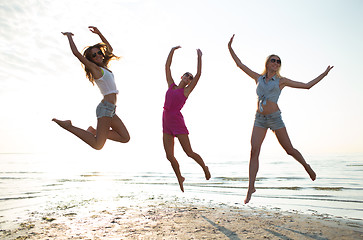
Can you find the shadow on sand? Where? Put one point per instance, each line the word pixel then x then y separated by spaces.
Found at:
pixel 230 234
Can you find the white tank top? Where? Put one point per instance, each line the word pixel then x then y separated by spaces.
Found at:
pixel 106 83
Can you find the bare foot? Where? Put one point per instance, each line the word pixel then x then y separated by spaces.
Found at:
pixel 249 194
pixel 207 173
pixel 311 172
pixel 64 124
pixel 181 181
pixel 92 130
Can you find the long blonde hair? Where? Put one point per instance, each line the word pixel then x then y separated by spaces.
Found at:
pixel 107 57
pixel 267 61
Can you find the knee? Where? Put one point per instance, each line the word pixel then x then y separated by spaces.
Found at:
pixel 126 139
pixel 98 147
pixel 170 157
pixel 190 153
pixel 255 151
pixel 291 151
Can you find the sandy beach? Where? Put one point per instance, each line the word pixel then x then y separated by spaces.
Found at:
pixel 158 218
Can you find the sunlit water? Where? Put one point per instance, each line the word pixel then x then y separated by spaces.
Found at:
pixel 34 182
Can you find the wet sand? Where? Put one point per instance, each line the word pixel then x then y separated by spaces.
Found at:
pixel 176 219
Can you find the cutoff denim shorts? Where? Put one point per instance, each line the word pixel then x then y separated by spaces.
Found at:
pixel 272 121
pixel 105 109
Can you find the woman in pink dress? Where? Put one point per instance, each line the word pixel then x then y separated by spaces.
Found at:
pixel 173 121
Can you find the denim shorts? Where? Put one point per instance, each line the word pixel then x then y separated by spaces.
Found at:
pixel 105 109
pixel 272 121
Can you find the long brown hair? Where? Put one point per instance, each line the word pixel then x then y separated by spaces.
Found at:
pixel 267 61
pixel 107 57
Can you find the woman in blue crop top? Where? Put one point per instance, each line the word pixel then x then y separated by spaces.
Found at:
pixel 109 126
pixel 268 115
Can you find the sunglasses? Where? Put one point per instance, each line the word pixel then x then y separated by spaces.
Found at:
pixel 189 76
pixel 95 54
pixel 275 60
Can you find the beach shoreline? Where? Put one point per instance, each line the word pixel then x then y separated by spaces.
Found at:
pixel 174 218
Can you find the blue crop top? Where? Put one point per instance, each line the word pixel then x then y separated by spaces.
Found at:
pixel 268 91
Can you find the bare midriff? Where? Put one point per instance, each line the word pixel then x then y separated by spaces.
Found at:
pixel 111 98
pixel 269 108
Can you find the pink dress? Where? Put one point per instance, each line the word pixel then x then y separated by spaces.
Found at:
pixel 173 121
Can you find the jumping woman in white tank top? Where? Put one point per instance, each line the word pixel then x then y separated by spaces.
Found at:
pixel 109 126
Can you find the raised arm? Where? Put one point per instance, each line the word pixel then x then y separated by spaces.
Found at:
pixel 78 55
pixel 195 80
pixel 285 82
pixel 95 30
pixel 243 67
pixel 169 78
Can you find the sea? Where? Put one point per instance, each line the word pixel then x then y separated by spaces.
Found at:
pixel 36 182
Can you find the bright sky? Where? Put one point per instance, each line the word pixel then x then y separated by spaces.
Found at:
pixel 41 79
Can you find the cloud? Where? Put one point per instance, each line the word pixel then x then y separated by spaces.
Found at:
pixel 21 39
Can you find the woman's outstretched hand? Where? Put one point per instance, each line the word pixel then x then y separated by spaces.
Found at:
pixel 328 70
pixel 67 33
pixel 230 41
pixel 175 48
pixel 94 30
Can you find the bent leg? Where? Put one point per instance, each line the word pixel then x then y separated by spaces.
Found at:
pixel 118 131
pixel 95 141
pixel 285 142
pixel 168 141
pixel 258 135
pixel 185 143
